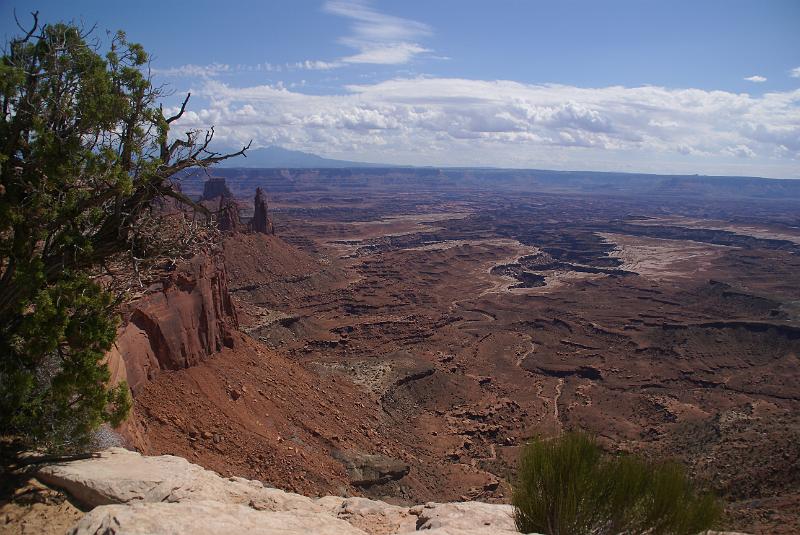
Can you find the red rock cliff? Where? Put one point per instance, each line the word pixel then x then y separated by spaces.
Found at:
pixel 189 318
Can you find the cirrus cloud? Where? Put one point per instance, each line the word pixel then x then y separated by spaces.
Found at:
pixel 378 38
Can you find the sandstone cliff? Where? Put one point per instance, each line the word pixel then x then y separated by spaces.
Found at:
pixel 186 318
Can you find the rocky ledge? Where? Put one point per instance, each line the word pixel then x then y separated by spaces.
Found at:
pixel 133 494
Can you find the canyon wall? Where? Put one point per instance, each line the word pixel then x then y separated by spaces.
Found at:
pixel 183 320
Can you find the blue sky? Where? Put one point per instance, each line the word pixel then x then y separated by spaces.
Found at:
pixel 680 86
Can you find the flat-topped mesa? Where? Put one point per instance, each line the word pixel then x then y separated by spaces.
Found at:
pixel 215 187
pixel 261 221
pixel 228 214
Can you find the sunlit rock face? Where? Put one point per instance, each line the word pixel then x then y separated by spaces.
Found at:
pixel 135 494
pixel 189 317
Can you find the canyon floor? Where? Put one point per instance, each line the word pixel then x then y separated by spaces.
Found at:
pixel 443 328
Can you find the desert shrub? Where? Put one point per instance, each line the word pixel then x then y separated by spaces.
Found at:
pixel 568 486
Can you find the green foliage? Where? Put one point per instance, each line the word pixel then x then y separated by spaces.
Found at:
pixel 567 486
pixel 56 382
pixel 84 154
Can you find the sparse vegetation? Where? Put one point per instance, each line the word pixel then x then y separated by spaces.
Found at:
pixel 568 486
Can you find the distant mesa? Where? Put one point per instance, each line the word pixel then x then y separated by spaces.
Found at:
pixel 215 187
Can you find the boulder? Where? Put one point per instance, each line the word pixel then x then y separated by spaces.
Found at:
pixel 465 515
pixel 206 518
pixel 366 469
pixel 372 516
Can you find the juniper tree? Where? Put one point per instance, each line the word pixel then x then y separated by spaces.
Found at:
pixel 85 155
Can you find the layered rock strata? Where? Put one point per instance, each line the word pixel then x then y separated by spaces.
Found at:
pixel 183 320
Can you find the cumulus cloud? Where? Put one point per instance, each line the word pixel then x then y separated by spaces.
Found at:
pixel 756 79
pixel 504 123
pixel 795 73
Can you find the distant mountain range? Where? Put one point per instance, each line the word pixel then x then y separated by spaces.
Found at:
pixel 278 157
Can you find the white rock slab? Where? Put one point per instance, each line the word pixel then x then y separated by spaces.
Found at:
pixel 374 517
pixel 206 518
pixel 121 476
pixel 465 516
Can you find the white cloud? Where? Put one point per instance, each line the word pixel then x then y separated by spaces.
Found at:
pixel 378 38
pixel 740 151
pixel 795 73
pixel 756 79
pixel 213 70
pixel 315 65
pixel 393 54
pixel 371 25
pixel 201 71
pixel 452 121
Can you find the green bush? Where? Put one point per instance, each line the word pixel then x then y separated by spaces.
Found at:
pixel 568 486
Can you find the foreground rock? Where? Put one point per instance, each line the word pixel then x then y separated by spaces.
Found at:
pixel 466 516
pixel 137 495
pixel 206 517
pixel 134 494
pixel 119 476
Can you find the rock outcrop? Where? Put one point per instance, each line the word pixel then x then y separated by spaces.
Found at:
pixel 186 318
pixel 261 221
pixel 133 494
pixel 215 187
pixel 228 214
pixel 365 469
pixel 206 518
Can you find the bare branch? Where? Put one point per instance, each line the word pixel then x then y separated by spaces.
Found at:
pixel 180 113
pixel 28 33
